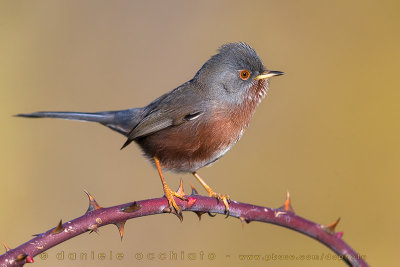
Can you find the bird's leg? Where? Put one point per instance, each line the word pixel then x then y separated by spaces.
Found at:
pixel 169 194
pixel 225 198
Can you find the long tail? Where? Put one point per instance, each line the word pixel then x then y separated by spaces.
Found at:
pixel 122 121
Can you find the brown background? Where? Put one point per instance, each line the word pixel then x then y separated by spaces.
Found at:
pixel 328 131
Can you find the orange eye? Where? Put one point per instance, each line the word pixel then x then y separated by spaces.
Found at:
pixel 244 74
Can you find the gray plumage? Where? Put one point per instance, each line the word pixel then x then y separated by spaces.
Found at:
pixel 216 93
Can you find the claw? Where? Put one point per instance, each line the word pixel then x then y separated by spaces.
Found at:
pixel 225 199
pixel 174 208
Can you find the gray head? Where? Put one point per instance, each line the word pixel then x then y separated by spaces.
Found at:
pixel 233 71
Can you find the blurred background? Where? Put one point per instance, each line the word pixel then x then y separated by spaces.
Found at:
pixel 328 131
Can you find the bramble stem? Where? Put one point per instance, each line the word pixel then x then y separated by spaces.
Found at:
pixel 97 216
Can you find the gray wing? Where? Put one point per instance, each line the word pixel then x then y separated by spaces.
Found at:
pixel 174 108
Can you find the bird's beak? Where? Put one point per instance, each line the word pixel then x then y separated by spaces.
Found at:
pixel 268 74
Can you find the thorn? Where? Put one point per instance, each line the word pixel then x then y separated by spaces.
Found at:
pixel 288 204
pixel 132 207
pixel 120 227
pixel 180 189
pixel 330 228
pixel 58 229
pixel 93 228
pixel 194 191
pixel 199 213
pixel 211 215
pixel 243 220
pixel 6 247
pixel 93 205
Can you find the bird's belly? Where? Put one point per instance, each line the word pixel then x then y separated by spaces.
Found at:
pixel 190 146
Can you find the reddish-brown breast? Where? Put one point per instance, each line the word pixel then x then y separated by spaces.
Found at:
pixel 195 144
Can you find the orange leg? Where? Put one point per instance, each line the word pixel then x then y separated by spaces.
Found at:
pixel 225 198
pixel 169 194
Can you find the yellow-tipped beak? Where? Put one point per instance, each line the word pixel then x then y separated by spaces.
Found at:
pixel 268 74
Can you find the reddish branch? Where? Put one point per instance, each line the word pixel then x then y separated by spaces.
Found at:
pixel 97 216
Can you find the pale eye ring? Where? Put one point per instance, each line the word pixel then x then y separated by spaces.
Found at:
pixel 244 75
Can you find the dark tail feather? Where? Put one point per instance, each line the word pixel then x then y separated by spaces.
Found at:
pixel 122 121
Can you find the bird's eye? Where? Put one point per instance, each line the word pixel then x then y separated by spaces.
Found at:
pixel 244 74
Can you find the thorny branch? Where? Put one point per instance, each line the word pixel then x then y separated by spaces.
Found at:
pixel 97 216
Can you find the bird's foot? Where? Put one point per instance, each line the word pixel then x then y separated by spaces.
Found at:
pixel 225 198
pixel 173 207
pixel 220 197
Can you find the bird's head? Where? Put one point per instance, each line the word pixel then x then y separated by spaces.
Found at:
pixel 233 72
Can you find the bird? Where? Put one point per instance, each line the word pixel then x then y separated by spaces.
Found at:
pixel 195 124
